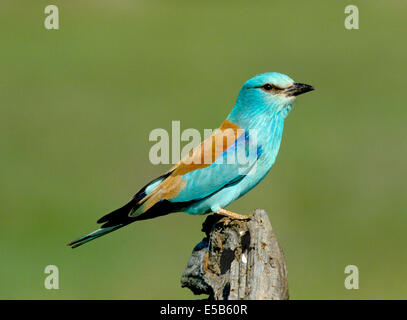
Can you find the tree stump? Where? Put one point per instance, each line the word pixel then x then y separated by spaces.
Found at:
pixel 237 260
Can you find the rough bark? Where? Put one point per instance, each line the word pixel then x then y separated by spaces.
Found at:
pixel 237 260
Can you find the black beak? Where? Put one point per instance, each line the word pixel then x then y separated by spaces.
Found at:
pixel 298 88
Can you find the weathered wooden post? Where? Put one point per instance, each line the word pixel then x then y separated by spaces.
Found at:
pixel 237 260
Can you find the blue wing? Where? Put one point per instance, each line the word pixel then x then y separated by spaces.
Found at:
pixel 228 168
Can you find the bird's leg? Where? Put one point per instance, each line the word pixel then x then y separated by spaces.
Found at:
pixel 233 215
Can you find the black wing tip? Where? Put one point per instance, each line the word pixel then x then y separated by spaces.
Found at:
pixel 101 220
pixel 118 214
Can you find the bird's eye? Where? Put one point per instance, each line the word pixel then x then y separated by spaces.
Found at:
pixel 268 87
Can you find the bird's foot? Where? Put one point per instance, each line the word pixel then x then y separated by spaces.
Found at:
pixel 233 215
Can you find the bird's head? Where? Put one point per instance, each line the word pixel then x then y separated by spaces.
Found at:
pixel 273 91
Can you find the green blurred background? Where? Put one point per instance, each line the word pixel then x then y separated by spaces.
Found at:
pixel 78 104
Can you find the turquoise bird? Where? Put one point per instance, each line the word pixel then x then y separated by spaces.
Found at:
pixel 207 180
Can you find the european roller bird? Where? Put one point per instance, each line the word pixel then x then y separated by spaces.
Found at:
pixel 205 181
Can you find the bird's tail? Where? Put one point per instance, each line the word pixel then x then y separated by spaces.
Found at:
pixel 111 222
pixel 121 217
pixel 93 235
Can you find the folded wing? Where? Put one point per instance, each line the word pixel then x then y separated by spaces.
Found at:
pixel 223 158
